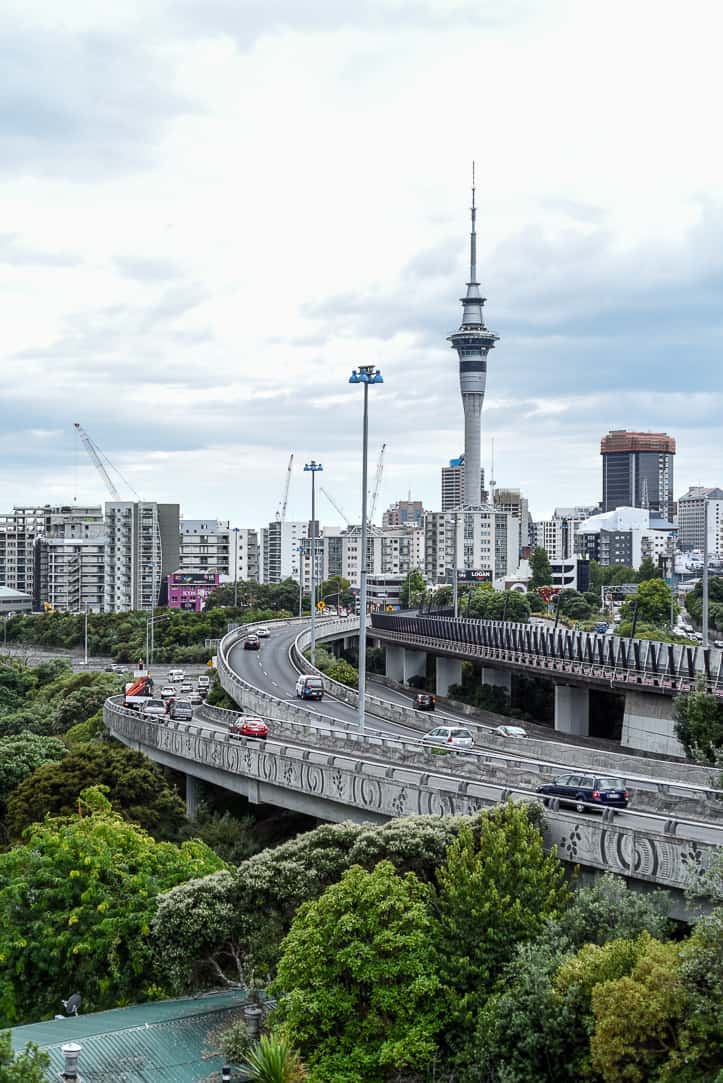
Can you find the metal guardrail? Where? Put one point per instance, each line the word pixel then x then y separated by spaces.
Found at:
pixel 662 668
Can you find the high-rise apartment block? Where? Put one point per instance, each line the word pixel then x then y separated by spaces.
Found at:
pixel 24 564
pixel 143 548
pixel 282 544
pixel 691 514
pixel 638 471
pixel 512 501
pixel 404 513
pixel 453 485
pixel 213 545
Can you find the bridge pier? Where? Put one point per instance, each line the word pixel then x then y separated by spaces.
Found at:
pixel 401 664
pixel 498 678
pixel 572 710
pixel 648 724
pixel 193 796
pixel 447 671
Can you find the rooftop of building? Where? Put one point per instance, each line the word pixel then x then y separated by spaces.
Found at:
pixel 9 595
pixel 165 1041
pixel 622 440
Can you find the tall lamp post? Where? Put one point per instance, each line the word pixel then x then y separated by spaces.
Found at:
pixel 313 468
pixel 300 551
pixel 704 613
pixel 366 375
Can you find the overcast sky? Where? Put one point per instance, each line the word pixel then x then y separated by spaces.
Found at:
pixel 213 209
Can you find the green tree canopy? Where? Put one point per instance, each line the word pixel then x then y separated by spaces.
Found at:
pixel 412 586
pixel 22 754
pixel 653 600
pixel 541 568
pixel 495 890
pixel 648 570
pixel 357 978
pixel 699 724
pixel 76 904
pixel 136 786
pixel 27 1066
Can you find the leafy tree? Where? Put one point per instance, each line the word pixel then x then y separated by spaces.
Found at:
pixel 653 601
pixel 508 605
pixel 344 673
pixel 699 724
pixel 358 979
pixel 76 904
pixel 648 570
pixel 28 1066
pixel 22 754
pixel 541 568
pixel 412 586
pixel 493 892
pixel 609 910
pixel 136 789
pixel 535 602
pixel 574 605
pixel 228 927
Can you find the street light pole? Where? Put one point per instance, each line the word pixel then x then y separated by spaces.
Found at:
pixel 85 662
pixel 313 468
pixel 365 374
pixel 300 551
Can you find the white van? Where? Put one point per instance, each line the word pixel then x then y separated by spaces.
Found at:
pixel 309 687
pixel 176 675
pixel 204 682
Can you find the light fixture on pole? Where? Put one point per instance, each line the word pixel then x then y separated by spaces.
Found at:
pixel 366 375
pixel 704 612
pixel 313 468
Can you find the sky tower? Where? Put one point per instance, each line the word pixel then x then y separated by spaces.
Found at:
pixel 472 342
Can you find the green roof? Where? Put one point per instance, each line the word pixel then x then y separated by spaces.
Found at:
pixel 163 1040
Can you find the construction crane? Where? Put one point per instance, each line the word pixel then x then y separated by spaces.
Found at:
pixel 377 484
pixel 334 505
pixel 96 457
pixel 281 510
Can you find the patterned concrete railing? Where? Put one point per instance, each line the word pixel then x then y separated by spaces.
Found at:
pixel 341 786
pixel 511 769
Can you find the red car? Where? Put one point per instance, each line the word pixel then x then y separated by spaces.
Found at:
pixel 248 727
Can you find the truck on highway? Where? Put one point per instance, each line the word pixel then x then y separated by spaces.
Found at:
pixel 309 687
pixel 138 692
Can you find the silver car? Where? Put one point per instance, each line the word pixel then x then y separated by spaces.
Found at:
pixel 155 708
pixel 454 736
pixel 182 711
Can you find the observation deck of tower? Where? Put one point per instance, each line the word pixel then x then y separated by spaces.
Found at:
pixel 472 341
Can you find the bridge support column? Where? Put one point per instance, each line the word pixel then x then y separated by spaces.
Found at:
pixel 572 710
pixel 447 671
pixel 193 795
pixel 415 664
pixel 648 724
pixel 498 678
pixel 394 665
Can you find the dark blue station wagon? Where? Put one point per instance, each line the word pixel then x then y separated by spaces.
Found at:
pixel 581 791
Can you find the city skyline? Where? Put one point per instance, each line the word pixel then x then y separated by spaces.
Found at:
pixel 154 206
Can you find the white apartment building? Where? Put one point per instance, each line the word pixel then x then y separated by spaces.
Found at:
pixel 71 571
pixel 21 532
pixel 142 549
pixel 281 546
pixel 214 545
pixel 691 512
pixel 484 540
pixel 513 502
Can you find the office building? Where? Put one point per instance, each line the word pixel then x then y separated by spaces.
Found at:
pixel 142 549
pixel 557 535
pixel 624 536
pixel 638 471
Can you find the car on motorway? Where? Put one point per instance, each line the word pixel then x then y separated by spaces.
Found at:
pixel 515 732
pixel 196 698
pixel 582 791
pixel 244 726
pixel 186 687
pixel 175 675
pixel 154 708
pixel 263 633
pixel 424 701
pixel 455 736
pixel 252 643
pixel 309 687
pixel 167 691
pixel 204 682
pixel 718 643
pixel 182 711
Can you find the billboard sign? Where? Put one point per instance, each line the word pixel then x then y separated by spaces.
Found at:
pixel 473 575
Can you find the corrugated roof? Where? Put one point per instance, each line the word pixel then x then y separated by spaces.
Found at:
pixel 164 1040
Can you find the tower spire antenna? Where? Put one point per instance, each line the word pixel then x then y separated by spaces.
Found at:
pixel 473 236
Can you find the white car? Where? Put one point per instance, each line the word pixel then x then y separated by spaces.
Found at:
pixel 509 731
pixel 176 675
pixel 154 708
pixel 167 691
pixel 449 735
pixel 263 633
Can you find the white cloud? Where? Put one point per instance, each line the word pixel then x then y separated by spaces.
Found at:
pixel 212 212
